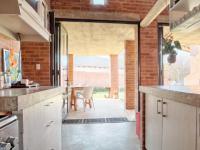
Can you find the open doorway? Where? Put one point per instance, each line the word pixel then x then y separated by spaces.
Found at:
pixel 102 56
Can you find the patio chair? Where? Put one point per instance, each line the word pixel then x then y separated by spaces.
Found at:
pixel 86 96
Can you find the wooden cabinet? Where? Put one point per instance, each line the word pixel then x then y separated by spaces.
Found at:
pixel 153 123
pixel 170 125
pixel 42 125
pixel 179 126
pixel 198 129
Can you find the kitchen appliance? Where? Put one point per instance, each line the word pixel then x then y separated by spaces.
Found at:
pixel 9 133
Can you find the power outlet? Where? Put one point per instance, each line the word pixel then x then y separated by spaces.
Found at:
pixel 38 67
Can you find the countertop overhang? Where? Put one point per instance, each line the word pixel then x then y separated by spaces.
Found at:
pixel 184 94
pixel 21 98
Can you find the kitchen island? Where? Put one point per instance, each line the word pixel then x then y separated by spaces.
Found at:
pixel 39 112
pixel 170 117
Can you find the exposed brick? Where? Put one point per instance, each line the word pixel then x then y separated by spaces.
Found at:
pixel 114 76
pixel 36 53
pixel 131 74
pixel 71 68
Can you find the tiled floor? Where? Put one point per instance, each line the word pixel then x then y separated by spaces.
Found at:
pixel 104 108
pixel 114 136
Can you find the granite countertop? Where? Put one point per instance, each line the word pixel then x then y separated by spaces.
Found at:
pixel 184 94
pixel 21 98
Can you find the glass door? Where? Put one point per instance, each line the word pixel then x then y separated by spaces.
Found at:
pixel 63 57
pixel 59 56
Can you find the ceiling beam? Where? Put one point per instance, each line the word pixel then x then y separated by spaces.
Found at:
pixel 158 7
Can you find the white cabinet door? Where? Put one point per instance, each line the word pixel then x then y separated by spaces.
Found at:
pixel 34 126
pixel 55 129
pixel 179 126
pixel 42 125
pixel 153 123
pixel 198 129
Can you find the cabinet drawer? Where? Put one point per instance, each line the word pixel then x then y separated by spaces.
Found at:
pixel 53 109
pixel 53 137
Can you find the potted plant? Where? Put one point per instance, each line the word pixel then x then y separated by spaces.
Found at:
pixel 169 46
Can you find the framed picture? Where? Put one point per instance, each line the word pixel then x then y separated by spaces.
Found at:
pixel 6 62
pixel 12 64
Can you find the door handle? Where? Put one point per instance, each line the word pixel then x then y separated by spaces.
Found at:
pixel 164 112
pixel 158 112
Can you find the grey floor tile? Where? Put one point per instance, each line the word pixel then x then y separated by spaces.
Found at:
pixel 119 136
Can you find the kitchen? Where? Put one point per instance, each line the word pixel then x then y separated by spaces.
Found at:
pixel 31 118
pixel 25 105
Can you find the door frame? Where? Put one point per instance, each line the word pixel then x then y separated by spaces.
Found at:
pixel 160 54
pixel 137 23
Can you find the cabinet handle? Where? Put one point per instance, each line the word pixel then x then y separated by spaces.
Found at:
pixel 49 124
pixel 49 104
pixel 164 112
pixel 158 101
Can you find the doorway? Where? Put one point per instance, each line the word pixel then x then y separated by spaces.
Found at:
pixel 113 46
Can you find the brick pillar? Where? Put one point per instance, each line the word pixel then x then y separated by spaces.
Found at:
pixel 70 68
pixel 114 89
pixel 131 74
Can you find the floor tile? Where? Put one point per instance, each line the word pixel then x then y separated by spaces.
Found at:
pixel 118 136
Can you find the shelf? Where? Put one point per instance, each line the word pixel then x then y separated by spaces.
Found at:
pixel 182 5
pixel 189 22
pixel 23 20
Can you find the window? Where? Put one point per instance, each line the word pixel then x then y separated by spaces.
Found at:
pixel 98 2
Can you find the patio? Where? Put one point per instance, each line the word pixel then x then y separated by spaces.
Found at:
pixel 99 61
pixel 104 108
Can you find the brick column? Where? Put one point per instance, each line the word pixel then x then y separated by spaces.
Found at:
pixel 114 90
pixel 70 68
pixel 131 74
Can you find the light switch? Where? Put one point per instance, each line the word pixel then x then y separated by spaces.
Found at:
pixel 37 66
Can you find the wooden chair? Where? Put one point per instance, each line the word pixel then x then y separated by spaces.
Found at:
pixel 86 96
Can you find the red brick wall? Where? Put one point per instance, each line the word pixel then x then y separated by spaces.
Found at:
pixel 7 43
pixel 71 68
pixel 149 55
pixel 131 74
pixel 149 47
pixel 36 53
pixel 134 6
pixel 114 76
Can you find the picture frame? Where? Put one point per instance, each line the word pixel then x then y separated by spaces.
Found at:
pixel 12 65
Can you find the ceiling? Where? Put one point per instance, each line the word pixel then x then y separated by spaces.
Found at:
pixel 85 38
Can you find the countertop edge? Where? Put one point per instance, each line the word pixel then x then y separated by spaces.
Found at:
pixel 20 102
pixel 192 99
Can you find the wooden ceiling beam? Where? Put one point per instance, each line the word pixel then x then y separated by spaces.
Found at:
pixel 158 7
